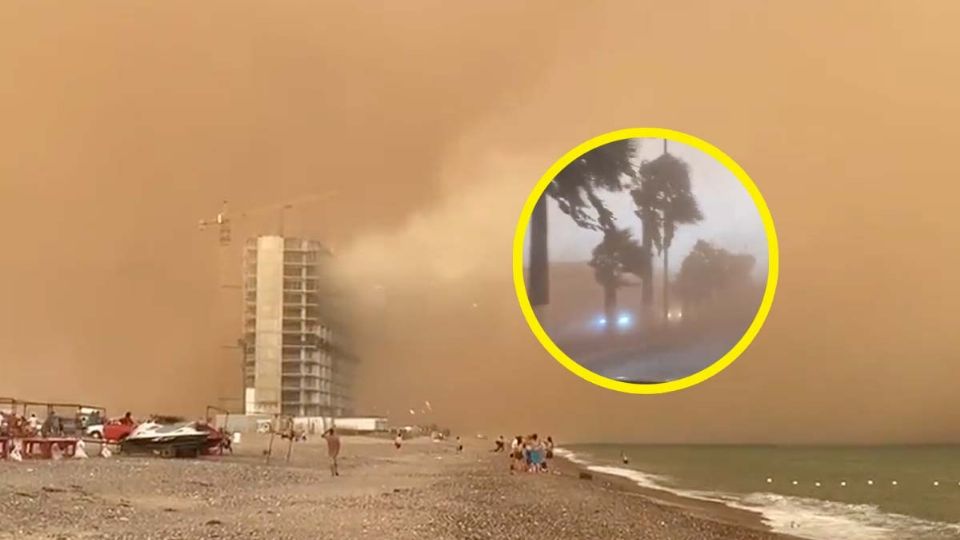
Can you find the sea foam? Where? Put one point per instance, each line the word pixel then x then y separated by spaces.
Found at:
pixel 802 517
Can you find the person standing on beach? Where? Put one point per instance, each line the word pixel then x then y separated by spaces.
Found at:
pixel 528 452
pixel 333 450
pixel 398 442
pixel 549 447
pixel 459 445
pixel 536 454
pixel 516 455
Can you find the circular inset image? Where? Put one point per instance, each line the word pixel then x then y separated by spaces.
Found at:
pixel 645 260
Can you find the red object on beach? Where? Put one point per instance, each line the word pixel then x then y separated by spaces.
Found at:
pixel 217 440
pixel 115 431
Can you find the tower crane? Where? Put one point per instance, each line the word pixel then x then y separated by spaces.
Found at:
pixel 223 220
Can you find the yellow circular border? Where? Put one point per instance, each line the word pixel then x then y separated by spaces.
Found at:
pixel 773 268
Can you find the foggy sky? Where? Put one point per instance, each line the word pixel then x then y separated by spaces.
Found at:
pixel 126 122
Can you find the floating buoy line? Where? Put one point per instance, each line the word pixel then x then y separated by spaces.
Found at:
pixel 844 483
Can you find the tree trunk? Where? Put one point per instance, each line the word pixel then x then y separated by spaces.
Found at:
pixel 646 287
pixel 666 286
pixel 538 277
pixel 610 307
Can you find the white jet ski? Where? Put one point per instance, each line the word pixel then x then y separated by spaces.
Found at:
pixel 175 440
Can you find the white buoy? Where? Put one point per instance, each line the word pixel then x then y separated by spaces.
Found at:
pixel 936 483
pixel 869 482
pixel 843 484
pixel 893 483
pixel 816 484
pixel 794 482
pixel 769 480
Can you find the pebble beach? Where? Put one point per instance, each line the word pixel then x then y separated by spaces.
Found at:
pixel 424 490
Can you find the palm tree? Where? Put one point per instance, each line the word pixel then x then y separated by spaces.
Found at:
pixel 617 254
pixel 575 190
pixel 664 201
pixel 708 270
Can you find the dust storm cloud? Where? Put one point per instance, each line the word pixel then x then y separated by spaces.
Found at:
pixel 434 125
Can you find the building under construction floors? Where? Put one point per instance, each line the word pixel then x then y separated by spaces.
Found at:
pixel 293 359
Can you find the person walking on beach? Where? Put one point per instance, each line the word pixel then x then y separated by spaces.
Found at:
pixel 549 447
pixel 398 442
pixel 333 450
pixel 501 444
pixel 459 445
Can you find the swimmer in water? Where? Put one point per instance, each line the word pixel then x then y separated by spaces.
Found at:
pixel 626 460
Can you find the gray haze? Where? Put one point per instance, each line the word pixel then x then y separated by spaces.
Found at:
pixel 126 122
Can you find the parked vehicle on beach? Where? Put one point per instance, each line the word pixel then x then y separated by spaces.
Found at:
pixel 112 431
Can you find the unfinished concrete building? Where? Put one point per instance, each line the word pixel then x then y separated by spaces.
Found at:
pixel 294 364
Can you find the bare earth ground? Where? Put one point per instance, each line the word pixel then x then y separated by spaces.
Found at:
pixel 425 490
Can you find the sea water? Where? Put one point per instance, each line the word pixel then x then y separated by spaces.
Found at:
pixel 819 493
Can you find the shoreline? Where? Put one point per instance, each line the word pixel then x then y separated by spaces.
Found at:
pixel 714 511
pixel 425 490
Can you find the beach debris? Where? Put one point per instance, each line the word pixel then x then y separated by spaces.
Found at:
pixel 80 452
pixel 105 452
pixel 51 489
pixel 214 522
pixel 585 475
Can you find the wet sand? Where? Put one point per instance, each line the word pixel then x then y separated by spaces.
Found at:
pixel 425 490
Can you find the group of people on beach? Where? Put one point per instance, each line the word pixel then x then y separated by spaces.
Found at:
pixel 527 454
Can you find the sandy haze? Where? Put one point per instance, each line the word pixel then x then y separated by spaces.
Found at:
pixel 126 122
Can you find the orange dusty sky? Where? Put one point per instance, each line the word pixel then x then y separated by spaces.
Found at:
pixel 125 122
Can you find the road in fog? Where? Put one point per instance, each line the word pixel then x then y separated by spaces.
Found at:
pixel 656 365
